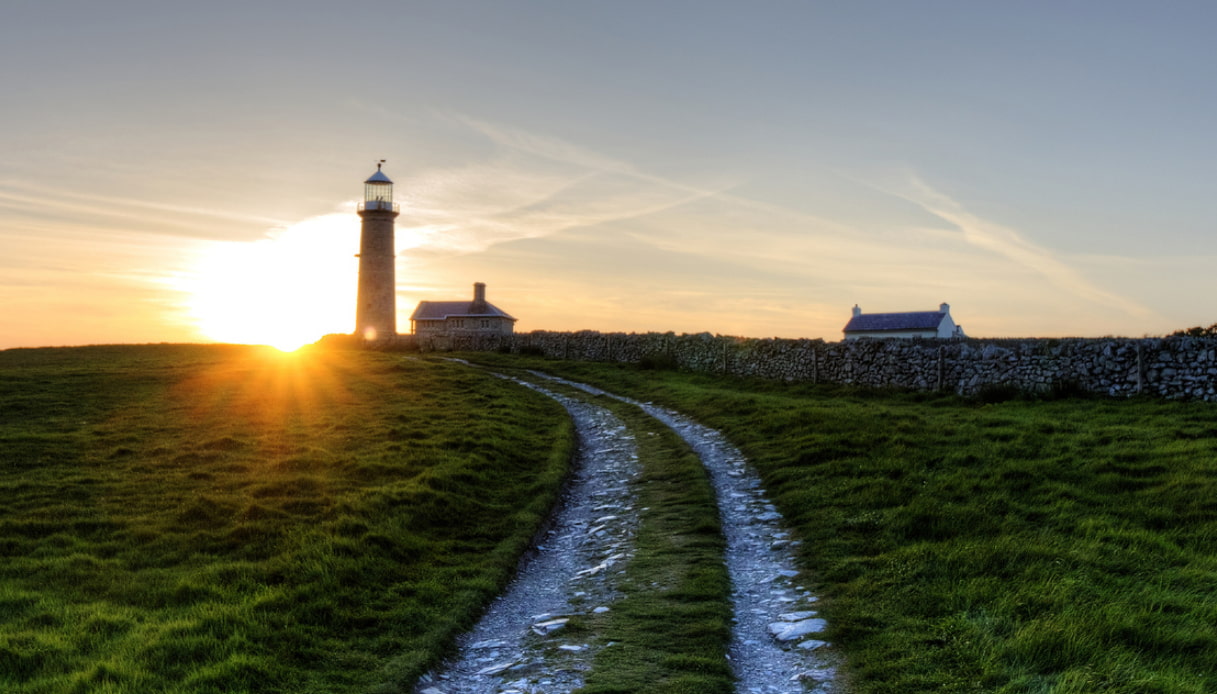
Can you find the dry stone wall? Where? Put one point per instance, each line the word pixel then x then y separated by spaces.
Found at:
pixel 1174 367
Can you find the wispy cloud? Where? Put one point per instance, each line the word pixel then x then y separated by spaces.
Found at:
pixel 535 186
pixel 40 203
pixel 545 147
pixel 560 151
pixel 1008 243
pixel 540 186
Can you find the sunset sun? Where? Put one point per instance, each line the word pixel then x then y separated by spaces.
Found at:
pixel 286 290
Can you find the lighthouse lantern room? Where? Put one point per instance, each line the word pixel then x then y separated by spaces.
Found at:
pixel 376 305
pixel 378 192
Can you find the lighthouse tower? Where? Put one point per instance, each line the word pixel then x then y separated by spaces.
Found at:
pixel 376 307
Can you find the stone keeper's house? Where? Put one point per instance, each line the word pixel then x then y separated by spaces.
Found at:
pixel 924 324
pixel 455 318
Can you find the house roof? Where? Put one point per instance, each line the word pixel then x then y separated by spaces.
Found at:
pixel 913 320
pixel 439 310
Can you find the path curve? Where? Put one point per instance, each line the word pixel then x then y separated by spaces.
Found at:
pixel 775 645
pixel 519 645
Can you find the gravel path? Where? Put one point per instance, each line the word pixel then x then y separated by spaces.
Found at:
pixel 774 645
pixel 518 647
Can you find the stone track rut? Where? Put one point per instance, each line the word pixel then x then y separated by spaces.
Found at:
pixel 518 647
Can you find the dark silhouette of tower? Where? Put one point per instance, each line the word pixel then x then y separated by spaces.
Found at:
pixel 376 308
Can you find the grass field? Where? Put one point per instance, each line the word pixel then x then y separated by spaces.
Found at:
pixel 229 519
pixel 1021 546
pixel 671 626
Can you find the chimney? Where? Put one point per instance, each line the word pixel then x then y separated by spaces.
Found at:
pixel 479 298
pixel 857 311
pixel 944 308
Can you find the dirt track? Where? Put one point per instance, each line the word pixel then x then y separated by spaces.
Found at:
pixel 518 646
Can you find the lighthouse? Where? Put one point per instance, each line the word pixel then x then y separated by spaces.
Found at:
pixel 376 306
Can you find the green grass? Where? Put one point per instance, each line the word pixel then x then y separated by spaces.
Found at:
pixel 669 631
pixel 225 519
pixel 1021 546
pixel 228 519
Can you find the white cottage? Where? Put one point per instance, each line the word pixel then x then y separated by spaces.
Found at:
pixel 925 324
pixel 454 318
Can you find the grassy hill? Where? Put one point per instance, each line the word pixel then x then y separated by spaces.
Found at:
pixel 229 519
pixel 1021 546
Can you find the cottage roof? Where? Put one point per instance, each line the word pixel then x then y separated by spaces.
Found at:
pixel 913 320
pixel 440 310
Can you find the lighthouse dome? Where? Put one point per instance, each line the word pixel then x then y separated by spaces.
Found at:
pixel 379 177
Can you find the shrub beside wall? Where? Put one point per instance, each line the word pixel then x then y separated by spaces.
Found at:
pixel 1172 367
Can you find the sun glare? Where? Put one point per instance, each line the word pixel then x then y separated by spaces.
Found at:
pixel 286 290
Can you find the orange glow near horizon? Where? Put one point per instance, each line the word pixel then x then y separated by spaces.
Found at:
pixel 268 398
pixel 285 291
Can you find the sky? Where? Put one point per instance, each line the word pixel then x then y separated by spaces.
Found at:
pixel 188 171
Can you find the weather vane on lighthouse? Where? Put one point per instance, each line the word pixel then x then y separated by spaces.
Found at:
pixel 376 305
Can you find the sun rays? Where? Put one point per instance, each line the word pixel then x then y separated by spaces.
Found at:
pixel 275 395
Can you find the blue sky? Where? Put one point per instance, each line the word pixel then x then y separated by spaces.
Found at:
pixel 752 169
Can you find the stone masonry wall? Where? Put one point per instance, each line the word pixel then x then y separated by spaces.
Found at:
pixel 1174 367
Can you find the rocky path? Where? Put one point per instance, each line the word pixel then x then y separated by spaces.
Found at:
pixel 774 645
pixel 518 645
